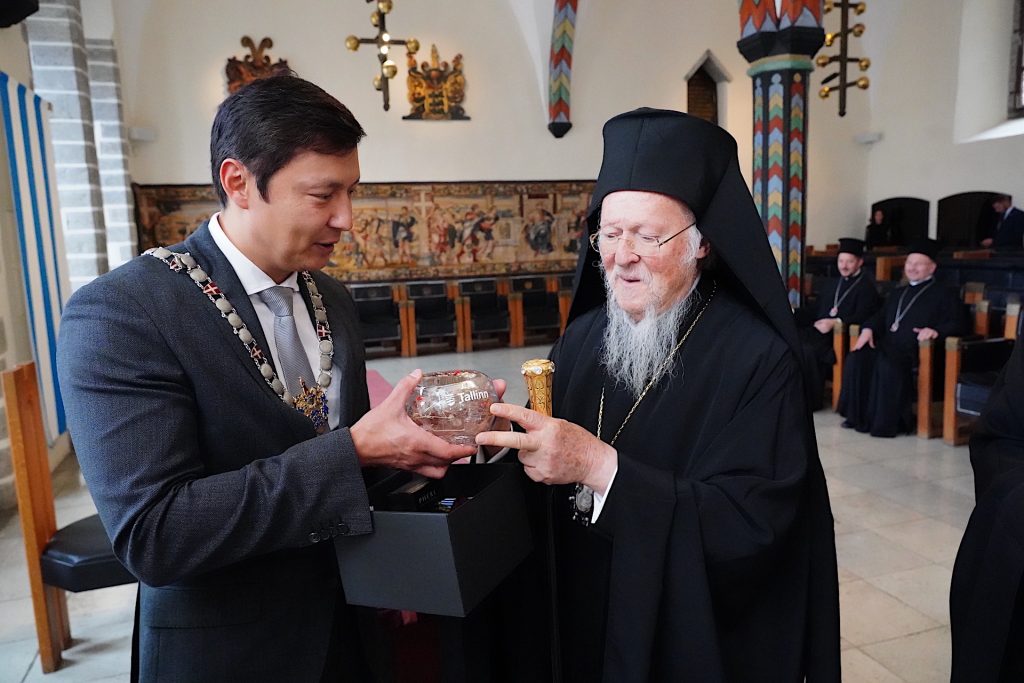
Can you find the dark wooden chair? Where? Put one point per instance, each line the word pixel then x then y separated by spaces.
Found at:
pixel 972 366
pixel 843 338
pixel 486 311
pixel 534 310
pixel 380 319
pixel 77 557
pixel 564 284
pixel 431 319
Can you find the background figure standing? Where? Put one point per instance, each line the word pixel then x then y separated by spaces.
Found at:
pixel 1008 234
pixel 879 232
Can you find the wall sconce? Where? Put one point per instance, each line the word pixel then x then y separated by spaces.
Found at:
pixel 843 59
pixel 384 42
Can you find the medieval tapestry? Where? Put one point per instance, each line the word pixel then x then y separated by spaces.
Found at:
pixel 409 231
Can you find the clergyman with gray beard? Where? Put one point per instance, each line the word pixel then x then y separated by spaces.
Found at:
pixel 687 525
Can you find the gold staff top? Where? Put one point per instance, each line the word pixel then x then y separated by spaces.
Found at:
pixel 538 374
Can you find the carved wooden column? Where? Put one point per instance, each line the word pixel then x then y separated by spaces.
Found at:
pixel 780 46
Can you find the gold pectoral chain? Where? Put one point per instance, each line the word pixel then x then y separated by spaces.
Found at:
pixel 582 498
pixel 657 375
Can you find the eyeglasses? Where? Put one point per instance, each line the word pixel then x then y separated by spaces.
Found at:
pixel 641 245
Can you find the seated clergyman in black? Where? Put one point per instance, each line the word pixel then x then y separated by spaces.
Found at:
pixel 878 386
pixel 986 599
pixel 691 532
pixel 849 300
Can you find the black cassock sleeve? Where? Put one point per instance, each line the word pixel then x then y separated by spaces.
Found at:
pixel 997 444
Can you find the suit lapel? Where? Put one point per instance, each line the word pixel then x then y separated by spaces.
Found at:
pixel 210 258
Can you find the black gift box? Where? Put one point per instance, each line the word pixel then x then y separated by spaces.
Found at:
pixel 440 563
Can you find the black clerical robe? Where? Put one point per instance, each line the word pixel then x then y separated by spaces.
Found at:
pixel 714 557
pixel 986 601
pixel 878 384
pixel 1009 231
pixel 853 299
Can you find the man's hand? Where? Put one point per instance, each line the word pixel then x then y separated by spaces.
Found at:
pixel 926 333
pixel 554 451
pixel 825 325
pixel 987 242
pixel 386 437
pixel 866 338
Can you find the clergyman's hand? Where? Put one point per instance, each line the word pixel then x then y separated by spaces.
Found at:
pixel 387 437
pixel 866 338
pixel 926 333
pixel 825 325
pixel 554 451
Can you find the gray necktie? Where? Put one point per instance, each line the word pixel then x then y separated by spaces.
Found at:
pixel 291 357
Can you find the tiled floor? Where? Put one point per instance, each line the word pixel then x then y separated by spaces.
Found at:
pixel 900 506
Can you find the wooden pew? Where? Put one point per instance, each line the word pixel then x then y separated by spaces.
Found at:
pixel 884 265
pixel 984 358
pixel 1012 321
pixel 843 338
pixel 929 413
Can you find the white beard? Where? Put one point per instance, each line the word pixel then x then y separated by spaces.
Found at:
pixel 634 351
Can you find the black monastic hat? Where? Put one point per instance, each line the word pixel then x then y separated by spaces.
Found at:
pixel 851 245
pixel 929 248
pixel 694 161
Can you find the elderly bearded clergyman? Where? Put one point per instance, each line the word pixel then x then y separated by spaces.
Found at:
pixel 691 531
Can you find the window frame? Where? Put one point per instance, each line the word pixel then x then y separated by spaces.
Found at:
pixel 1015 99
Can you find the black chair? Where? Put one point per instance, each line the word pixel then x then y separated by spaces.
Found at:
pixel 488 310
pixel 379 317
pixel 972 366
pixel 540 312
pixel 77 557
pixel 433 314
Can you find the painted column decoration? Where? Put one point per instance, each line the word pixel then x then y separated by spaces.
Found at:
pixel 560 67
pixel 779 39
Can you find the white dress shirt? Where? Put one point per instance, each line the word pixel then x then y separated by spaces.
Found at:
pixel 255 281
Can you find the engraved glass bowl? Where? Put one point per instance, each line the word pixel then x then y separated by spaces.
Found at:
pixel 453 405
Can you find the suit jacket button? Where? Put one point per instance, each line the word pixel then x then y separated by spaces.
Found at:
pixel 343 528
pixel 314 537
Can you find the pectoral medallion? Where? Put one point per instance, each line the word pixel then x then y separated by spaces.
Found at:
pixel 312 402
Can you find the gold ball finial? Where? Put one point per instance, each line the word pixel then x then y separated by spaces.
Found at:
pixel 389 68
pixel 352 43
pixel 863 82
pixel 857 30
pixel 823 93
pixel 822 60
pixel 375 19
pixel 860 8
pixel 377 82
pixel 412 46
pixel 385 6
pixel 829 6
pixel 864 64
pixel 829 39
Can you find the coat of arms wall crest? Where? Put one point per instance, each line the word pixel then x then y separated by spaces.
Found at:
pixel 436 89
pixel 255 65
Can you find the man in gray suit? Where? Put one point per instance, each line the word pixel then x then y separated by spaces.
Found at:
pixel 216 396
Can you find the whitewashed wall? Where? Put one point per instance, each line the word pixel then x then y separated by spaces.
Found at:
pixel 933 79
pixel 172 57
